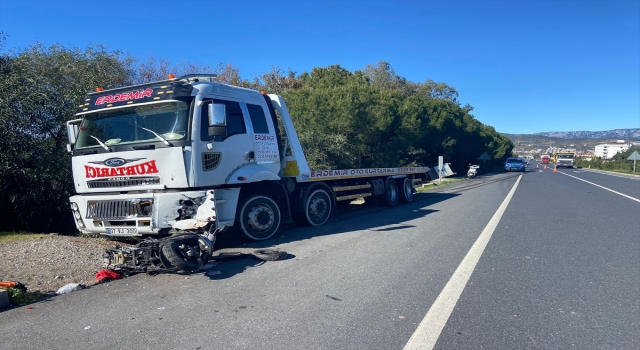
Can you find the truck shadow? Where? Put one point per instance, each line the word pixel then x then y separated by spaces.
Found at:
pixel 349 218
pixel 346 218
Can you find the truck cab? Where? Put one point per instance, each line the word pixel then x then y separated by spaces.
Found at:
pixel 144 156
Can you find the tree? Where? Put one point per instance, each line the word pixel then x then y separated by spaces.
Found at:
pixel 40 89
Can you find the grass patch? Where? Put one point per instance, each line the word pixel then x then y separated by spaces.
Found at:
pixel 19 297
pixel 7 237
pixel 445 182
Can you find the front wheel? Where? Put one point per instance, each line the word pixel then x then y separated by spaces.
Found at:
pixel 318 207
pixel 259 217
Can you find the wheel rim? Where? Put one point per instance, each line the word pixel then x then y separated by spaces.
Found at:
pixel 392 192
pixel 261 218
pixel 318 208
pixel 408 189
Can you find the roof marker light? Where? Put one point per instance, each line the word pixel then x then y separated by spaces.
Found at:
pixel 98 89
pixel 171 76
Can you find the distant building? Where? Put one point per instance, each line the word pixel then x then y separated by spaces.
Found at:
pixel 608 150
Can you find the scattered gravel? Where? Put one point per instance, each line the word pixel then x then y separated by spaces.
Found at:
pixel 48 263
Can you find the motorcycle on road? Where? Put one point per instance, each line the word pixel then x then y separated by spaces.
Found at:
pixel 473 171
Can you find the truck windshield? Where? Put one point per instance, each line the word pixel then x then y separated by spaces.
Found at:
pixel 565 156
pixel 125 125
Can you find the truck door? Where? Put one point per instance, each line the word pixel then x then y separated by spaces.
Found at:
pixel 264 138
pixel 217 157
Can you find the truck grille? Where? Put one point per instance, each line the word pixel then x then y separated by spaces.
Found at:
pixel 120 209
pixel 210 160
pixel 137 181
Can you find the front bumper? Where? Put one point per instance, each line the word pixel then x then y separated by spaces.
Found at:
pixel 128 214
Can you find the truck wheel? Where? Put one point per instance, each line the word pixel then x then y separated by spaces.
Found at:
pixel 318 207
pixel 178 254
pixel 406 195
pixel 259 218
pixel 391 193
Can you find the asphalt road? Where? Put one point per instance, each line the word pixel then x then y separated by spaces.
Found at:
pixel 560 270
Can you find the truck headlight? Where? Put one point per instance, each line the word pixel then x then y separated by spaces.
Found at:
pixel 74 206
pixel 77 215
pixel 80 223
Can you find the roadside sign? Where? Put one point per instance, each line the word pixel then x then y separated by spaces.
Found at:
pixel 484 156
pixel 634 157
pixel 440 163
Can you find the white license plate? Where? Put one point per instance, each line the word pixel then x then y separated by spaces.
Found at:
pixel 122 231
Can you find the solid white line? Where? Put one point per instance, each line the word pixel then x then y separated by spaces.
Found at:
pixel 428 331
pixel 632 177
pixel 608 189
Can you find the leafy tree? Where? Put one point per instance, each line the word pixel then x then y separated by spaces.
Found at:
pixel 40 89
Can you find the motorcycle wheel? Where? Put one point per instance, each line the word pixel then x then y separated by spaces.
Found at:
pixel 175 252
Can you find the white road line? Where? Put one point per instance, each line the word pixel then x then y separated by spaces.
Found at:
pixel 591 183
pixel 616 175
pixel 428 331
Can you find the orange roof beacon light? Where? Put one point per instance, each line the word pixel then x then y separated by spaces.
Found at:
pixel 98 89
pixel 171 76
pixel 263 92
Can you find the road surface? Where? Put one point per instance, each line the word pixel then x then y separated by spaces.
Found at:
pixel 540 260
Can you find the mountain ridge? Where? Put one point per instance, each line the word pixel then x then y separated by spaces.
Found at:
pixel 633 133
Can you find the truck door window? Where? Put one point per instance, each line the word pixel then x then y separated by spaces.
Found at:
pixel 235 120
pixel 258 119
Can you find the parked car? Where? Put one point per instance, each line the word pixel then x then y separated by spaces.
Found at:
pixel 514 164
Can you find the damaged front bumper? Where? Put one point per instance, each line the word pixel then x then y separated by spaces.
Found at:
pixel 153 213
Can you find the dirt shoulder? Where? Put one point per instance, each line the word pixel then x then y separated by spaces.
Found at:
pixel 47 263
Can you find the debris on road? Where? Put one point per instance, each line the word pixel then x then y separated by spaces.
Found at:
pixel 107 276
pixel 71 287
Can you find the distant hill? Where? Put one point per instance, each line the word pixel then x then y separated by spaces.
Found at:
pixel 537 141
pixel 622 134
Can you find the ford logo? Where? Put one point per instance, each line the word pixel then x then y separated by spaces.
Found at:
pixel 115 162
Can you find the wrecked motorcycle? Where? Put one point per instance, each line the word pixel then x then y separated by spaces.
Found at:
pixel 183 253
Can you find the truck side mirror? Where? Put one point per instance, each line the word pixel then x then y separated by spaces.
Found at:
pixel 72 133
pixel 217 113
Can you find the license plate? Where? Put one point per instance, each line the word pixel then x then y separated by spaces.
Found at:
pixel 122 231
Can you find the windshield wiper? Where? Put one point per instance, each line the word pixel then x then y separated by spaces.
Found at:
pixel 155 133
pixel 101 143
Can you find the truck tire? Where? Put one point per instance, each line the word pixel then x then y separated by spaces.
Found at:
pixel 259 217
pixel 391 194
pixel 406 192
pixel 176 255
pixel 269 254
pixel 317 207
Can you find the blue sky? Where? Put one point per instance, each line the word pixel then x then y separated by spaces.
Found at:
pixel 526 66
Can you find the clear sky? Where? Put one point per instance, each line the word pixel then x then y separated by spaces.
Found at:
pixel 526 66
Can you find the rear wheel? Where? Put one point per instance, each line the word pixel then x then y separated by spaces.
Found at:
pixel 391 193
pixel 318 207
pixel 259 218
pixel 406 193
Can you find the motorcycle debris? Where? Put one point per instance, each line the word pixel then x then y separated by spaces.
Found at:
pixel 71 287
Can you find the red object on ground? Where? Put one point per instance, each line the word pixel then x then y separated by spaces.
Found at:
pixel 107 275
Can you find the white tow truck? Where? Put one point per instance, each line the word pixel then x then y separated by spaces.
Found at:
pixel 191 155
